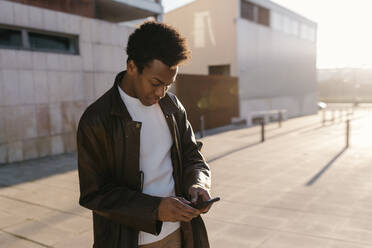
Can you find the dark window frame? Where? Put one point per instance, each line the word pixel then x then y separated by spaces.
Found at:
pixel 73 40
pixel 17 30
pixel 248 10
pixel 260 15
pixel 263 16
pixel 222 69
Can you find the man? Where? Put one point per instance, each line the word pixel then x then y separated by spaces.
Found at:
pixel 138 160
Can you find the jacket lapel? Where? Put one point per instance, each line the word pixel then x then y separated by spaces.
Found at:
pixel 169 109
pixel 127 137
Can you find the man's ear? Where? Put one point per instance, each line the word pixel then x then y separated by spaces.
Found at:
pixel 132 68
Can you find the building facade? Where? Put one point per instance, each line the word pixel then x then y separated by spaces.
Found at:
pixel 53 64
pixel 271 50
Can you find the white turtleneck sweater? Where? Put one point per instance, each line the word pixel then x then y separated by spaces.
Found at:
pixel 155 157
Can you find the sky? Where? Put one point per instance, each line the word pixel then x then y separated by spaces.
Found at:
pixel 344 37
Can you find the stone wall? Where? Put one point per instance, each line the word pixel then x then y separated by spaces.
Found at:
pixel 42 95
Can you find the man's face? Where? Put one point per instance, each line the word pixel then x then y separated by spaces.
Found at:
pixel 154 81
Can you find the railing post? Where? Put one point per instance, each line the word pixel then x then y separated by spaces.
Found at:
pixel 262 130
pixel 280 118
pixel 347 133
pixel 202 126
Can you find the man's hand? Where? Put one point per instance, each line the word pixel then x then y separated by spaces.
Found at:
pixel 176 209
pixel 196 193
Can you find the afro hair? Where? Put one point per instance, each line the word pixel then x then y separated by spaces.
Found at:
pixel 154 40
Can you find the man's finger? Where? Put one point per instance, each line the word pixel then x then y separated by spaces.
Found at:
pixel 184 219
pixel 184 200
pixel 188 209
pixel 194 196
pixel 204 194
pixel 183 216
pixel 206 209
pixel 189 216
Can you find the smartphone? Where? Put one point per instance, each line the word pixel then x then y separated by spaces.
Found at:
pixel 203 204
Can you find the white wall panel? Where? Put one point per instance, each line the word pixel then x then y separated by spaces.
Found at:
pixel 41 87
pixel 8 59
pixel 21 14
pixel 10 87
pixel 6 12
pixel 275 67
pixel 39 61
pixel 50 20
pixel 26 87
pixel 24 59
pixel 36 17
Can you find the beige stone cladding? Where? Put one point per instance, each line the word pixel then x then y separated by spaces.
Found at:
pixel 42 94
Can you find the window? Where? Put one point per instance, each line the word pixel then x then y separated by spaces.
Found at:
pixel 305 31
pixel 263 16
pixel 287 24
pixel 255 13
pixel 247 10
pixel 51 43
pixel 312 34
pixel 10 38
pixel 219 70
pixel 294 28
pixel 277 21
pixel 21 38
pixel 291 26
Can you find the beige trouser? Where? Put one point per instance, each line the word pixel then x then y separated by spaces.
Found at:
pixel 173 240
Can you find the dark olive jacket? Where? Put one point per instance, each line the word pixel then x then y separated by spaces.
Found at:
pixel 108 142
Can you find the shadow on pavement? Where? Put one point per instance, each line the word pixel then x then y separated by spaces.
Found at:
pixel 321 172
pixel 292 130
pixel 232 151
pixel 258 142
pixel 320 127
pixel 32 170
pixel 330 124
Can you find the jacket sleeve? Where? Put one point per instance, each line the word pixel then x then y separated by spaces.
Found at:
pixel 99 193
pixel 195 169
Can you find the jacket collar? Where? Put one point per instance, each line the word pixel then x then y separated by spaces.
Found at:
pixel 118 107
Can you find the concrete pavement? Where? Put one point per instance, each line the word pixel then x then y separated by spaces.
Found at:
pixel 300 188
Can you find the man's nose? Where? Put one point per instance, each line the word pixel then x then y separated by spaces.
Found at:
pixel 160 91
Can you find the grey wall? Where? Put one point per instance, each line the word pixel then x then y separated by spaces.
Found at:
pixel 276 70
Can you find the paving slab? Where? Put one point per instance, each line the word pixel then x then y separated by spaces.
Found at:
pixel 11 241
pixel 39 232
